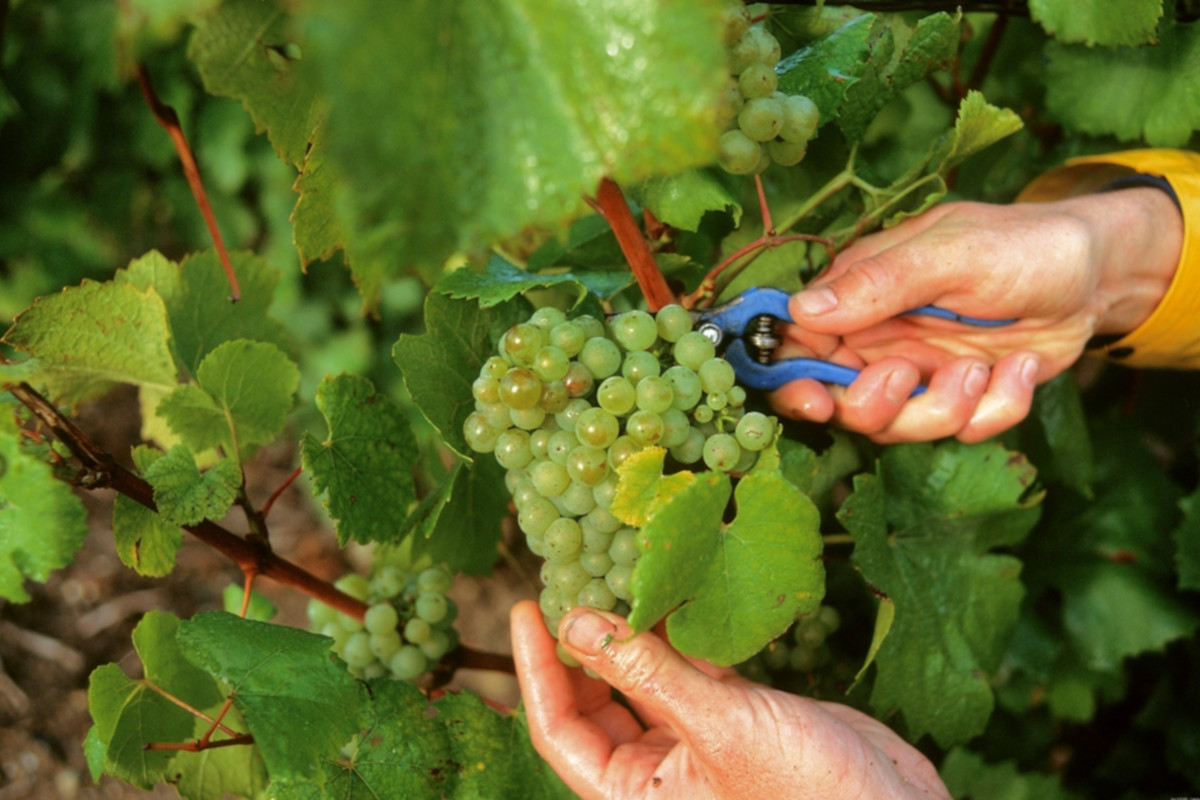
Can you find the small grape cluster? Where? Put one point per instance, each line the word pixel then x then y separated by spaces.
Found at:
pixel 764 124
pixel 807 649
pixel 566 402
pixel 406 630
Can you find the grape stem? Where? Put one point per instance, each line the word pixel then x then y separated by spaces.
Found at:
pixel 611 204
pixel 169 120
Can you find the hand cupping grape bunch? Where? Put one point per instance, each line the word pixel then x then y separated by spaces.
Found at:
pixel 764 124
pixel 408 626
pixel 566 402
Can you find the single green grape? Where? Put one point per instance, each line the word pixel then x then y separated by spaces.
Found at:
pixel 721 452
pixel 436 580
pixel 536 516
pixel 563 539
pixel 692 448
pixel 624 548
pixel 550 363
pixel 787 154
pixel 408 663
pixel 384 645
pixel 547 318
pixel 605 491
pixel 758 80
pixel 522 342
pixel 717 401
pixel 592 327
pixel 432 607
pixel 623 448
pixel 735 21
pixel 494 367
pixel 601 356
pixel 655 394
pixel 587 465
pixel 618 581
pixel 754 430
pixel 597 594
pixel 579 380
pixel 716 375
pixel 380 618
pixel 578 499
pixel 673 322
pixel 528 419
pixel 438 644
pixel 634 330
pixel 486 389
pixel 549 478
pixel 737 153
pixel 354 585
pixel 675 428
pixel 594 539
pixel 800 119
pixel 617 395
pixel 357 650
pixel 761 118
pixel 596 564
pixel 597 428
pixel 495 415
pixel 703 413
pixel 561 443
pixel 520 389
pixel 417 630
pixel 567 418
pixel 481 437
pixel 639 365
pixel 512 449
pixel 603 520
pixel 568 337
pixel 569 577
pixel 693 349
pixel 319 614
pixel 686 385
pixel 645 428
pixel 539 443
pixel 388 582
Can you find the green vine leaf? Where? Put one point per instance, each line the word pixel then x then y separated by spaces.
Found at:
pixel 1187 544
pixel 642 488
pixel 682 200
pixel 253 385
pixel 826 69
pixel 284 681
pixel 145 540
pixel 500 280
pixel 128 713
pixel 463 530
pixel 740 584
pixel 219 772
pixel 365 463
pixel 91 337
pixel 1155 88
pixel 244 51
pixel 1091 22
pixel 184 495
pixel 440 365
pixel 42 523
pixel 936 511
pixel 627 90
pixel 966 774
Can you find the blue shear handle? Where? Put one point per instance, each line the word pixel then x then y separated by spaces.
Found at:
pixel 769 377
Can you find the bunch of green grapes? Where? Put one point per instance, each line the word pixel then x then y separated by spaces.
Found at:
pixel 764 124
pixel 407 629
pixel 806 649
pixel 566 402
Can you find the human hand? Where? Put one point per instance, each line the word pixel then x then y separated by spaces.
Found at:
pixel 1068 270
pixel 699 731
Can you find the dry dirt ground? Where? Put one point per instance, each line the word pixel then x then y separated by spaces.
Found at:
pixel 83 616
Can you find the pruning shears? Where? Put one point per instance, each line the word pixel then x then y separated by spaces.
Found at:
pixel 747 326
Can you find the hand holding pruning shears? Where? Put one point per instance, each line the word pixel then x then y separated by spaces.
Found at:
pixel 1057 274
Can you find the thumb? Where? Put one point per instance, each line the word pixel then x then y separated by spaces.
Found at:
pixel 647 670
pixel 868 292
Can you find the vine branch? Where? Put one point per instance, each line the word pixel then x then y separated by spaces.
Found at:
pixel 611 205
pixel 169 120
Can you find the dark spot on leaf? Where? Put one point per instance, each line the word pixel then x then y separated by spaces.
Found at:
pixel 656 781
pixel 779 599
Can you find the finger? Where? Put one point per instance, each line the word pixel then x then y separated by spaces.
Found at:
pixel 576 746
pixel 1007 400
pixel 651 674
pixel 944 409
pixel 805 399
pixel 876 397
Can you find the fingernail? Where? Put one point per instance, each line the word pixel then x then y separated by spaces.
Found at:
pixel 816 300
pixel 1029 371
pixel 976 381
pixel 589 633
pixel 898 387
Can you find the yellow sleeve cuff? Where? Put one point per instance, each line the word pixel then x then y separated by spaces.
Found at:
pixel 1170 337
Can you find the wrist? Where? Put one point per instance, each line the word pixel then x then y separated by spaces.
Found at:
pixel 1139 237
